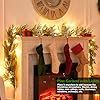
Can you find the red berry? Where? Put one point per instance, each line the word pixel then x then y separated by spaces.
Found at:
pixel 29 33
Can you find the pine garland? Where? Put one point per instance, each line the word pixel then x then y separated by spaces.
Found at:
pixel 10 56
pixel 38 30
pixel 92 54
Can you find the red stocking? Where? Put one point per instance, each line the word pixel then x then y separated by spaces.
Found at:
pixel 68 60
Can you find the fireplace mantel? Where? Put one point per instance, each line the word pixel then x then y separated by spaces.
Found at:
pixel 28 45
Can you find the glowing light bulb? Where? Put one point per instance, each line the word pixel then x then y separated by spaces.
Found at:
pixel 93 40
pixel 18 51
pixel 57 29
pixel 71 24
pixel 8 83
pixel 2 69
pixel 16 41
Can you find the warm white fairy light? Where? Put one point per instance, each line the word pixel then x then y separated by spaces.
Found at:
pixel 8 83
pixel 2 69
pixel 18 48
pixel 89 69
pixel 2 72
pixel 92 54
pixel 18 51
pixel 14 29
pixel 57 29
pixel 71 25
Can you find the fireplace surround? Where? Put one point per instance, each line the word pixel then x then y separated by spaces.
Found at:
pixel 25 89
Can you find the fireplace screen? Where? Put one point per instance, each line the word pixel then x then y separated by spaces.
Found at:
pixel 45 85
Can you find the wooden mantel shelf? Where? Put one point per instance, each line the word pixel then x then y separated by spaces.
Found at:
pixel 30 38
pixel 29 42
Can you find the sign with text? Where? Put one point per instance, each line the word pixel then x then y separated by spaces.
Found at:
pixel 78 86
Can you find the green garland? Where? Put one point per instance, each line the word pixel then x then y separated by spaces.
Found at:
pixel 10 57
pixel 92 54
pixel 38 30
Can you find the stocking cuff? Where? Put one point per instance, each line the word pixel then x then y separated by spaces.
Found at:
pixel 77 49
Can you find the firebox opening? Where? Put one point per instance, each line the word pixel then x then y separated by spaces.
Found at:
pixel 45 85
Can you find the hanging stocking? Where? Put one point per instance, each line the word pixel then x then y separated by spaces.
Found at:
pixel 68 60
pixel 78 51
pixel 41 65
pixel 54 57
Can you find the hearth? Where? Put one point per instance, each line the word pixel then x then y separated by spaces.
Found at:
pixel 45 85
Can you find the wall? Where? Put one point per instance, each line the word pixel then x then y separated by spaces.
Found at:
pixel 22 12
pixel 1 29
pixel 82 12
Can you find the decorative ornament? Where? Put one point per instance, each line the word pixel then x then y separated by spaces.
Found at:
pixel 26 32
pixel 51 9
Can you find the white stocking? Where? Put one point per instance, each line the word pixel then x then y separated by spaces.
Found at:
pixel 54 57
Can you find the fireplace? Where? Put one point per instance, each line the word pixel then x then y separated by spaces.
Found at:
pixel 45 85
pixel 25 89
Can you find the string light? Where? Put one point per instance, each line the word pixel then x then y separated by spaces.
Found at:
pixel 2 69
pixel 38 30
pixel 18 51
pixel 71 24
pixel 92 54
